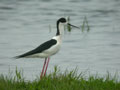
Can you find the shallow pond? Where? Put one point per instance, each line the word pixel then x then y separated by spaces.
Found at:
pixel 24 24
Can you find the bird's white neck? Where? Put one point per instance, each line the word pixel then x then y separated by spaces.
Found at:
pixel 61 28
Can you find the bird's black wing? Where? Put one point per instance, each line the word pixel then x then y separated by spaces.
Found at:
pixel 40 48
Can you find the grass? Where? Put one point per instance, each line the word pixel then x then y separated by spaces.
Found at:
pixel 85 25
pixel 69 80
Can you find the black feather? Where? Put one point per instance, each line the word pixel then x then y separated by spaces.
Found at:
pixel 39 49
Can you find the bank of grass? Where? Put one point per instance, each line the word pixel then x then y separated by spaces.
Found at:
pixel 59 81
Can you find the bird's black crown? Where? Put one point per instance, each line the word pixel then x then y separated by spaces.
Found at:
pixel 62 20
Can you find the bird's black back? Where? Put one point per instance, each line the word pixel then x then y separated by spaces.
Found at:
pixel 40 48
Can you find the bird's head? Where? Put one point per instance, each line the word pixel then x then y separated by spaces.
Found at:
pixel 63 21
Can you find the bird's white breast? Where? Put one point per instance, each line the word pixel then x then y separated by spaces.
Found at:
pixel 55 48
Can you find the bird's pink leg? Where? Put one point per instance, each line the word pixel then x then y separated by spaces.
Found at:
pixel 43 68
pixel 46 66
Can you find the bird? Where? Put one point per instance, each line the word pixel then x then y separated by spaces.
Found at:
pixel 48 48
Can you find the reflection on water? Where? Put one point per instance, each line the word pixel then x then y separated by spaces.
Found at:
pixel 24 24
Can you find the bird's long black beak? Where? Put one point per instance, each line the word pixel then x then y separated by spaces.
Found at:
pixel 73 26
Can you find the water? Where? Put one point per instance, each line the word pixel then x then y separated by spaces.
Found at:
pixel 24 24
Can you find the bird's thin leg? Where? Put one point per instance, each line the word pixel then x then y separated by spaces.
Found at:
pixel 46 66
pixel 43 68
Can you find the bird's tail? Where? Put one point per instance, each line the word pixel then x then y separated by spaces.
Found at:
pixel 17 57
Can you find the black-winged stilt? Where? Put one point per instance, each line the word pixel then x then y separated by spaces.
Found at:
pixel 48 48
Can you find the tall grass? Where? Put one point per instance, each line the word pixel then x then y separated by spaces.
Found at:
pixel 69 80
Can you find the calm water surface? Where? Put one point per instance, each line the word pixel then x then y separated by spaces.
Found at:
pixel 24 24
